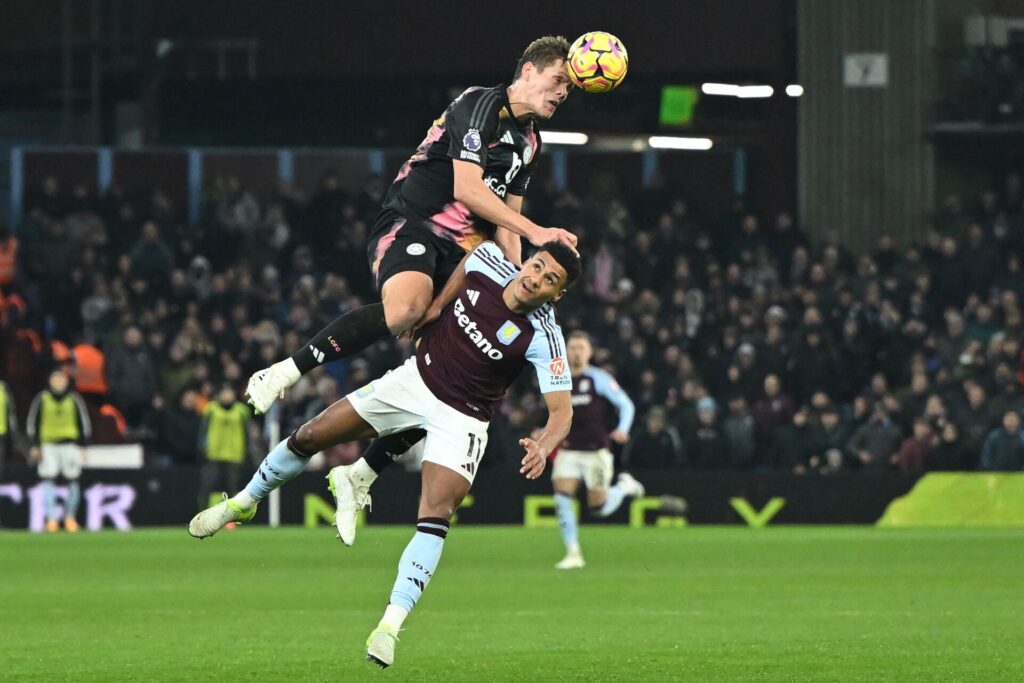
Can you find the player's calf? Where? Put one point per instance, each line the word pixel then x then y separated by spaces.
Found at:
pixel 415 569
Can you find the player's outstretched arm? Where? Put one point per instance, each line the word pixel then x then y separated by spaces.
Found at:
pixel 478 198
pixel 559 420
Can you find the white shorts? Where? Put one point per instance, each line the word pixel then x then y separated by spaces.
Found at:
pixel 400 400
pixel 593 467
pixel 64 459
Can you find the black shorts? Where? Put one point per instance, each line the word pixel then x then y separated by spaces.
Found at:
pixel 401 243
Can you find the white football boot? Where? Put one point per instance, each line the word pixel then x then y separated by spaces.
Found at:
pixel 631 486
pixel 268 385
pixel 213 519
pixel 380 646
pixel 350 498
pixel 572 560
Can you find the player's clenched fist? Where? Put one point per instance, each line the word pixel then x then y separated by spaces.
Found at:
pixel 535 459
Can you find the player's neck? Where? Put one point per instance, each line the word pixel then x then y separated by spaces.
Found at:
pixel 514 304
pixel 520 111
pixel 578 370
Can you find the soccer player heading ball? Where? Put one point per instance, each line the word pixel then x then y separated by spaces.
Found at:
pixel 501 322
pixel 464 184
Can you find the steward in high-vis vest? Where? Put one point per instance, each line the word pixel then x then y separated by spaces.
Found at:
pixel 223 443
pixel 8 425
pixel 58 425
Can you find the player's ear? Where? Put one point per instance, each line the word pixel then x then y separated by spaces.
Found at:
pixel 558 296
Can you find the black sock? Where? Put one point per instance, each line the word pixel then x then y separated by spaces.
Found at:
pixel 347 335
pixel 387 449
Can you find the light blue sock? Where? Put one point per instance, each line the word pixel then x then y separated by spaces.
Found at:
pixel 49 500
pixel 419 561
pixel 280 465
pixel 612 502
pixel 566 513
pixel 74 498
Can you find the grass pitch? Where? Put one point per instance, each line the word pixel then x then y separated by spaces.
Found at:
pixel 653 604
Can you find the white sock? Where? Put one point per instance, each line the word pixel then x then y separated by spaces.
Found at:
pixel 361 473
pixel 393 617
pixel 243 499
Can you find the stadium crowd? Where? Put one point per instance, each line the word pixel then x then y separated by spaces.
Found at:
pixel 743 343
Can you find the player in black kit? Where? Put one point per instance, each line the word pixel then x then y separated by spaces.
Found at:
pixel 466 179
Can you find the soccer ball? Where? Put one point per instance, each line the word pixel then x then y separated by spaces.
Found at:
pixel 597 61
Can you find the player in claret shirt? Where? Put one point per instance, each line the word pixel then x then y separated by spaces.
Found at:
pixel 493 320
pixel 585 456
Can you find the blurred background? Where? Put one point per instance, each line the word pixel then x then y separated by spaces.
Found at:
pixel 802 227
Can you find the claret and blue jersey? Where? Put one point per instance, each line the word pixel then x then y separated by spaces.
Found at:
pixel 478 346
pixel 592 392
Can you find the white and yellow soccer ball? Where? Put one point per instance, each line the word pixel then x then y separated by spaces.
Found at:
pixel 597 62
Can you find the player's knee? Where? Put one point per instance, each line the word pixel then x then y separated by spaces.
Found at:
pixel 400 316
pixel 406 297
pixel 443 506
pixel 307 438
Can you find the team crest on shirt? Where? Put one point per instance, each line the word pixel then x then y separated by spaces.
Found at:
pixel 471 140
pixel 527 154
pixel 584 385
pixel 508 332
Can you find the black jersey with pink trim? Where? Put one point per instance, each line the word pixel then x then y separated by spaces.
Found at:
pixel 477 127
pixel 478 346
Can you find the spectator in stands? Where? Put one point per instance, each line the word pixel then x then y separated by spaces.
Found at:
pixel 874 443
pixel 948 453
pixel 223 440
pixel 913 455
pixel 657 445
pixel 739 434
pixel 1004 448
pixel 825 443
pixel 705 446
pixel 814 364
pixel 773 410
pixel 176 429
pixel 131 376
pixel 786 452
pixel 151 258
pixel 975 421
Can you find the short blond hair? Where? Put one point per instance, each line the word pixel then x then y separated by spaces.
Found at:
pixel 543 52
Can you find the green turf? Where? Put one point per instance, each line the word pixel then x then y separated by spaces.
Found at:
pixel 653 604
